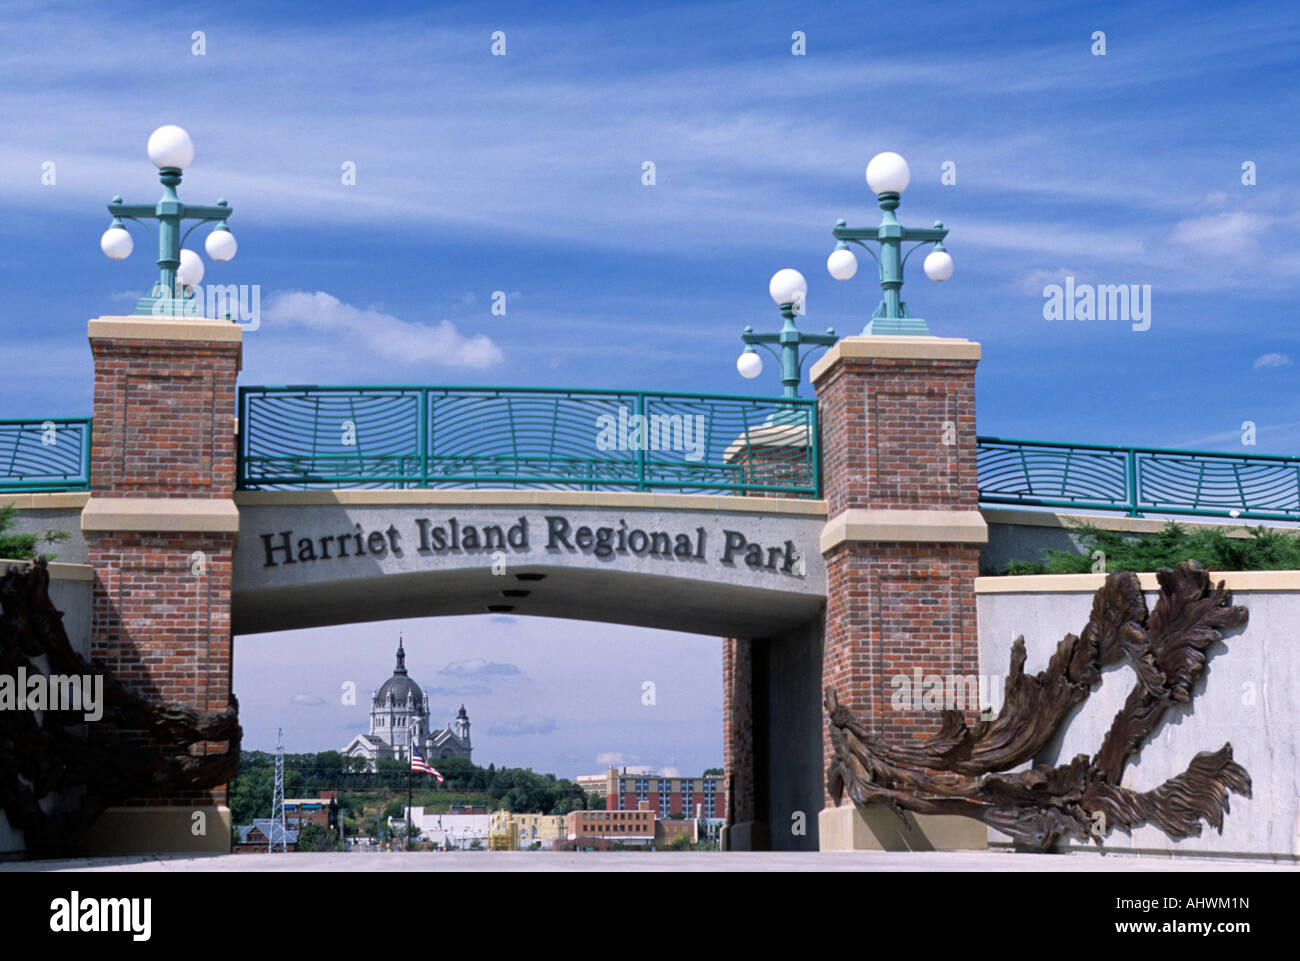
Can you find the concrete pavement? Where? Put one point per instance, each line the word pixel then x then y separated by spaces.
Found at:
pixel 663 861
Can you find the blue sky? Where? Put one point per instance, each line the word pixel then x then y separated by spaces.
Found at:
pixel 523 174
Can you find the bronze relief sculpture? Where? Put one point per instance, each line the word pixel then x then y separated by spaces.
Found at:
pixel 149 750
pixel 959 770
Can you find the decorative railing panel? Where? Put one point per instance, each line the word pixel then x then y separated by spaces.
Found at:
pixel 1138 480
pixel 490 437
pixel 45 454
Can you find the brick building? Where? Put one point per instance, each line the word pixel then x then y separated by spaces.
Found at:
pixel 665 795
pixel 633 828
pixel 255 838
pixel 321 811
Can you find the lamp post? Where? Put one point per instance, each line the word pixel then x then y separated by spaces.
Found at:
pixel 888 177
pixel 788 289
pixel 171 151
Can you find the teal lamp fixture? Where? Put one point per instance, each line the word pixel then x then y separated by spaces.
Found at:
pixel 171 151
pixel 888 177
pixel 788 289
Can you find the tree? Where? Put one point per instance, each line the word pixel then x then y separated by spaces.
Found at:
pixel 23 546
pixel 713 770
pixel 316 838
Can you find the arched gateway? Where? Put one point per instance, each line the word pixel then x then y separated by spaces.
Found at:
pixel 829 543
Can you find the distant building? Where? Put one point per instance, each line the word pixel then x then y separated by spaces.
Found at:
pixel 666 832
pixel 593 784
pixel 447 830
pixel 255 838
pixel 519 832
pixel 322 811
pixel 665 795
pixel 631 828
pixel 399 713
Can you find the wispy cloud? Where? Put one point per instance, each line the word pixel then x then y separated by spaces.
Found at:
pixel 522 726
pixel 380 333
pixel 464 690
pixel 1271 361
pixel 478 667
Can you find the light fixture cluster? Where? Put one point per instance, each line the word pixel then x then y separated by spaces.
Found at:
pixel 888 176
pixel 171 150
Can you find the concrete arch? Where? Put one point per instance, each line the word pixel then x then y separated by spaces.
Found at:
pixel 733 567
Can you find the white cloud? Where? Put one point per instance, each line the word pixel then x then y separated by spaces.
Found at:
pixel 1233 234
pixel 522 726
pixel 1267 361
pixel 306 700
pixel 394 339
pixel 1032 283
pixel 477 667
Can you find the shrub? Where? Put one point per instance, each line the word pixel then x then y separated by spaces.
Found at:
pixel 1265 550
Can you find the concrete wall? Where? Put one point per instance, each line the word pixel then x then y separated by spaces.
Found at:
pixel 38 513
pixel 1024 535
pixel 71 587
pixel 1248 695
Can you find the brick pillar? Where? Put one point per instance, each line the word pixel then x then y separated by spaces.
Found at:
pixel 738 731
pixel 903 532
pixel 160 530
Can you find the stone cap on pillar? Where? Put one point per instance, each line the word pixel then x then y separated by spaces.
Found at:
pixel 191 330
pixel 190 515
pixel 858 525
pixel 894 348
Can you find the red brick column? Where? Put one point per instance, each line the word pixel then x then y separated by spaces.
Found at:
pixel 738 729
pixel 903 528
pixel 160 530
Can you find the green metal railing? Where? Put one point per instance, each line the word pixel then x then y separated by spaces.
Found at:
pixel 45 454
pixel 512 437
pixel 1138 480
pixel 584 439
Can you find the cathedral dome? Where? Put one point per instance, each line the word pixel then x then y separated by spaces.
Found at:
pixel 400 687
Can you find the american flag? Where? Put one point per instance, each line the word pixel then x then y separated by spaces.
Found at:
pixel 418 763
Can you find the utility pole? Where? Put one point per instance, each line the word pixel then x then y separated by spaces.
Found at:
pixel 277 800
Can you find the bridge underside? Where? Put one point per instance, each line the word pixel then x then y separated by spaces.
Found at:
pixel 772 672
pixel 615 597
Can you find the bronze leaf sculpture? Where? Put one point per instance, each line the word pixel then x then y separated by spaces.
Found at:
pixel 149 752
pixel 1084 798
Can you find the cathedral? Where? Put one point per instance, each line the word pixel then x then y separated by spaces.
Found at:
pixel 399 712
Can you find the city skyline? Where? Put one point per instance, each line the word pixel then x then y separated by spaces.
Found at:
pixel 680 733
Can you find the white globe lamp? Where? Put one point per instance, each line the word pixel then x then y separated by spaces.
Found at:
pixel 749 364
pixel 221 245
pixel 887 173
pixel 116 243
pixel 190 272
pixel 170 146
pixel 938 265
pixel 841 264
pixel 787 287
